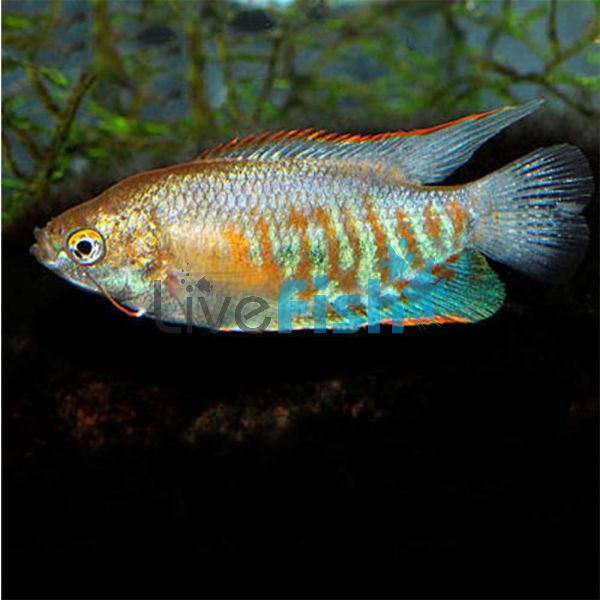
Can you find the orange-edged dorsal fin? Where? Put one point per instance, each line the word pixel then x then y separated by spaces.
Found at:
pixel 420 156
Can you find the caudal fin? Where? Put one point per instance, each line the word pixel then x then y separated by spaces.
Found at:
pixel 529 212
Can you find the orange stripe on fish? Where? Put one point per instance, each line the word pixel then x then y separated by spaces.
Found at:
pixel 238 246
pixel 323 218
pixel 458 216
pixel 381 240
pixel 297 221
pixel 269 266
pixel 432 222
pixel 348 278
pixel 444 270
pixel 406 233
pixel 400 284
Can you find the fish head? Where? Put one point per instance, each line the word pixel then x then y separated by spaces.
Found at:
pixel 101 246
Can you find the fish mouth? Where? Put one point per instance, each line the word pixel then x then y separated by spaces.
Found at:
pixel 43 249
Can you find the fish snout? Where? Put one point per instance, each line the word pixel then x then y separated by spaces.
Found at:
pixel 43 249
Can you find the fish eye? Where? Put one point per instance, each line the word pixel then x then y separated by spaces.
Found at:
pixel 86 246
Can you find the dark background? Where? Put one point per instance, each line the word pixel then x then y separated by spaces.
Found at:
pixel 454 461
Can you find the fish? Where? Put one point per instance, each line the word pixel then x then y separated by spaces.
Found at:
pixel 316 230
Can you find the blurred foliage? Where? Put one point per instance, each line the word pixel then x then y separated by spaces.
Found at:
pixel 113 86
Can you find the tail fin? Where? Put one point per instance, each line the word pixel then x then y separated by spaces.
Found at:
pixel 529 212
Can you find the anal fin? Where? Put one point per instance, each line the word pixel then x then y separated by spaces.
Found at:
pixel 464 290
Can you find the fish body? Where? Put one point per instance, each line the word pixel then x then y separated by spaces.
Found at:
pixel 308 230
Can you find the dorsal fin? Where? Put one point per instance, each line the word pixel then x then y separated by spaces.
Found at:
pixel 420 156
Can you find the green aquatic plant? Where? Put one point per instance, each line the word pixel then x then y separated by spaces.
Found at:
pixel 172 76
pixel 48 161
